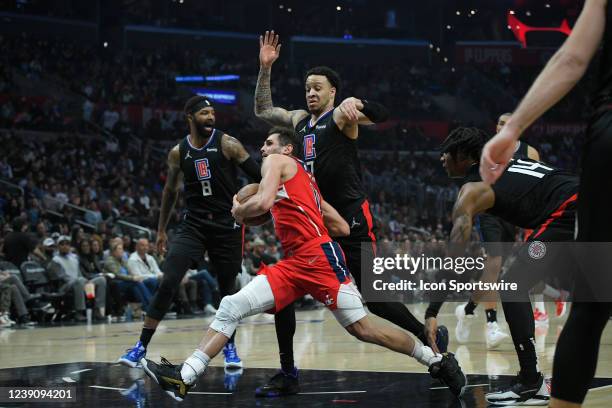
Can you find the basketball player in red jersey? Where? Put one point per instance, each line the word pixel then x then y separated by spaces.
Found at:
pixel 313 264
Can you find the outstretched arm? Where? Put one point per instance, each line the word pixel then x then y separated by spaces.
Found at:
pixel 335 224
pixel 269 51
pixel 560 75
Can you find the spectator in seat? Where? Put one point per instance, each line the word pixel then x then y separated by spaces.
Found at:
pixel 116 268
pixel 143 267
pixel 19 243
pixel 70 265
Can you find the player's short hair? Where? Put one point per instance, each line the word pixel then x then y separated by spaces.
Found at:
pixel 286 137
pixel 195 103
pixel 331 75
pixel 467 140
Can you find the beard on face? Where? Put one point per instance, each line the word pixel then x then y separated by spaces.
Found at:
pixel 201 128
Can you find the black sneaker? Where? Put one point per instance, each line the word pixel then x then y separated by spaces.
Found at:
pixel 168 376
pixel 449 373
pixel 521 393
pixel 280 385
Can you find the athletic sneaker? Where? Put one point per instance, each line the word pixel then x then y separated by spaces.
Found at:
pixel 449 373
pixel 133 356
pixel 495 335
pixel 464 323
pixel 231 377
pixel 442 339
pixel 540 317
pixel 280 384
pixel 168 376
pixel 231 356
pixel 136 393
pixel 519 393
pixel 210 309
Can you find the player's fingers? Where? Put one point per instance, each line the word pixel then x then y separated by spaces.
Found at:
pixel 260 41
pixel 267 37
pixel 432 343
pixel 275 41
pixel 278 49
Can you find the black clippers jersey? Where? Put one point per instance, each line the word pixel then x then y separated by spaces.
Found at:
pixel 521 151
pixel 528 192
pixel 603 90
pixel 210 179
pixel 332 158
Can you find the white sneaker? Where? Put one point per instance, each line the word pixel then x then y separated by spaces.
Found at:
pixel 464 323
pixel 5 320
pixel 495 335
pixel 210 310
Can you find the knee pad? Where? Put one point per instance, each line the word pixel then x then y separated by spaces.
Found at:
pixel 231 310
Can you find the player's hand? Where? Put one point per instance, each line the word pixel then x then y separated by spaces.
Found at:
pixel 162 242
pixel 235 205
pixel 431 333
pixel 269 49
pixel 350 108
pixel 497 153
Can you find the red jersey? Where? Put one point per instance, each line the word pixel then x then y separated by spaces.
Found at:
pixel 297 213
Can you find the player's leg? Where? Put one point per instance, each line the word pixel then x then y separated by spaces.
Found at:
pixel 254 298
pixel 359 250
pixel 225 253
pixel 578 346
pixel 529 387
pixel 286 381
pixel 351 315
pixel 185 249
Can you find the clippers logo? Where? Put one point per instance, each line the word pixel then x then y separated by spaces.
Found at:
pixel 328 300
pixel 520 29
pixel 202 169
pixel 309 147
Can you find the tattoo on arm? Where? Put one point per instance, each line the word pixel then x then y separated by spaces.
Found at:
pixel 171 188
pixel 233 149
pixel 462 229
pixel 265 109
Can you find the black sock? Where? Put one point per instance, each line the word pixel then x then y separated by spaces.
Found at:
pixel 146 335
pixel 233 338
pixel 470 307
pixel 491 315
pixel 528 360
pixel 285 329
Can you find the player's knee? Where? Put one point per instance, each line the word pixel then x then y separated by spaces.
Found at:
pixel 360 332
pixel 229 310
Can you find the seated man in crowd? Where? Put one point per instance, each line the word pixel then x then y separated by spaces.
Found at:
pixel 143 267
pixel 115 267
pixel 70 265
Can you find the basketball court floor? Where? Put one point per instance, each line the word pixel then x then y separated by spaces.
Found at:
pixel 336 369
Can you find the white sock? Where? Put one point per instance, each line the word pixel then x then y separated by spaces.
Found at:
pixel 194 366
pixel 551 292
pixel 425 355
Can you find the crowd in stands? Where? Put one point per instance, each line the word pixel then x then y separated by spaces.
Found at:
pixel 64 241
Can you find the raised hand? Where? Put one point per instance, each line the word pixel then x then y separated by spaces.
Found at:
pixel 269 48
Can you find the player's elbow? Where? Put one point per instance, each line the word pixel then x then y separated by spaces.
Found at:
pixel 339 229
